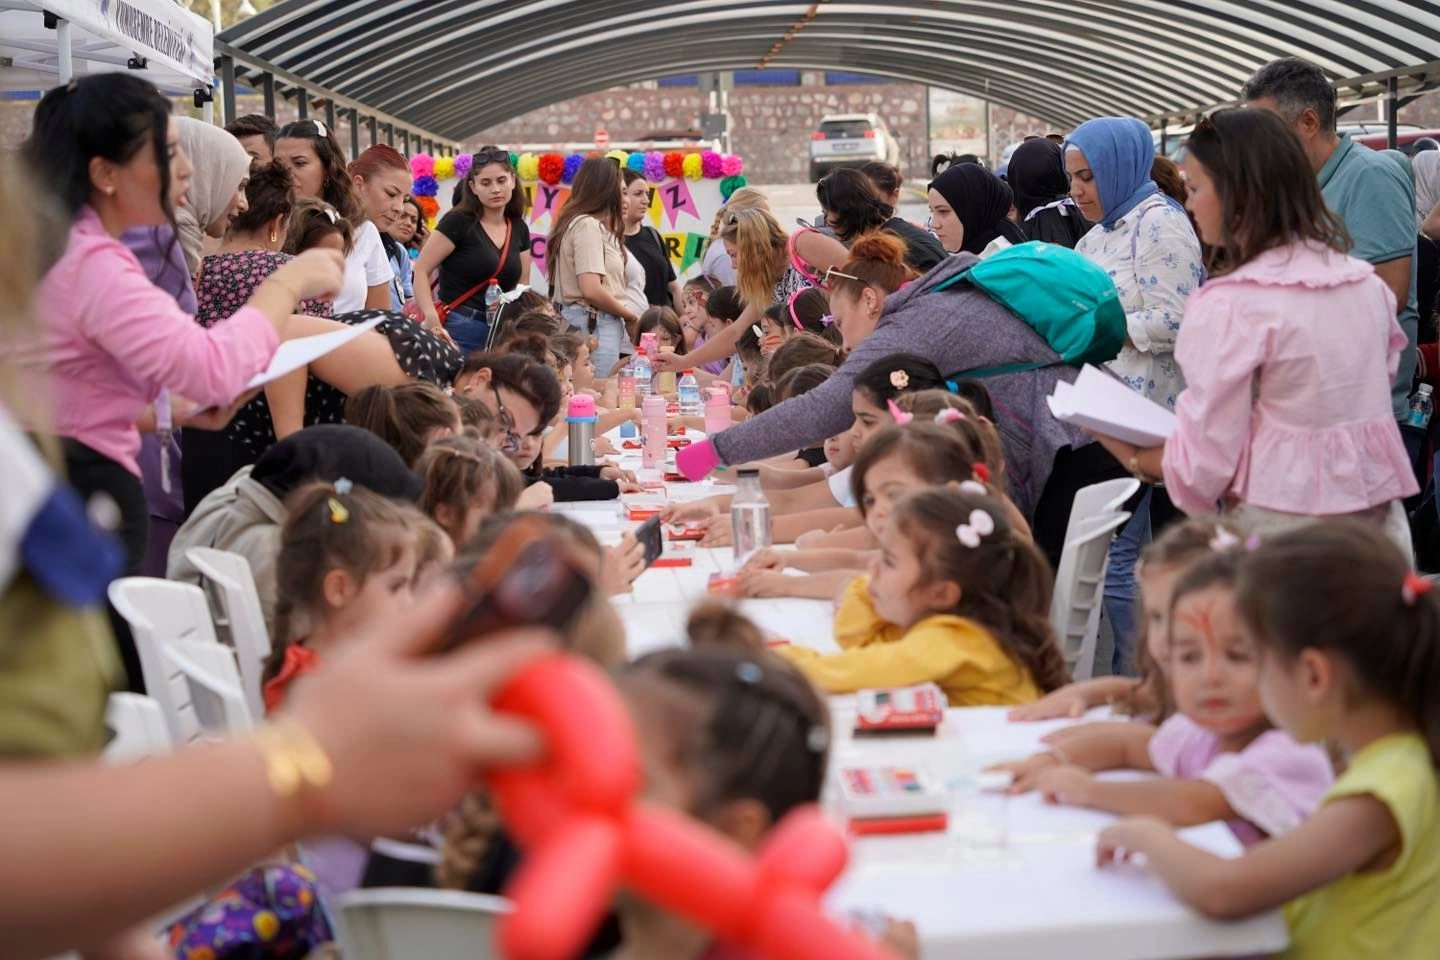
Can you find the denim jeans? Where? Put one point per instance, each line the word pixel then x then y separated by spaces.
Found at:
pixel 611 340
pixel 468 329
pixel 1121 587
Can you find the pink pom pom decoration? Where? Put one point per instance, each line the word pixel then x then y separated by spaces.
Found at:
pixel 712 165
pixel 731 165
pixel 422 165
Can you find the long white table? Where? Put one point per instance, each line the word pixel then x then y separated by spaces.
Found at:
pixel 1011 878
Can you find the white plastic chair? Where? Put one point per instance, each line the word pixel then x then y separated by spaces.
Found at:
pixel 239 617
pixel 161 612
pixel 216 697
pixel 1080 591
pixel 400 923
pixel 138 725
pixel 1097 500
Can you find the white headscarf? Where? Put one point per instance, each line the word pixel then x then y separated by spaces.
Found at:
pixel 1427 183
pixel 220 163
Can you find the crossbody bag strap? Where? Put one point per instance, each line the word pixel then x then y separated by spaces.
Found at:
pixel 500 265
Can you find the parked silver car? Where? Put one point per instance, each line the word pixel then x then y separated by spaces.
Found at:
pixel 850 140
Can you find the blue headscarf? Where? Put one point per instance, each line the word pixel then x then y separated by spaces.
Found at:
pixel 1120 151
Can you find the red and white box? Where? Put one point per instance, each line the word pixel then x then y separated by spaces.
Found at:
pixel 919 709
pixel 884 800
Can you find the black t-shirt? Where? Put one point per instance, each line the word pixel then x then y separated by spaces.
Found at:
pixel 659 271
pixel 922 251
pixel 814 456
pixel 476 255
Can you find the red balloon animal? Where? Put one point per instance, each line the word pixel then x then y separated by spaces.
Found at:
pixel 585 835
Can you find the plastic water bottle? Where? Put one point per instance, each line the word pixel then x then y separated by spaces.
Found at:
pixel 643 373
pixel 749 517
pixel 625 386
pixel 655 428
pixel 1422 407
pixel 690 403
pixel 717 411
pixel 581 417
pixel 492 302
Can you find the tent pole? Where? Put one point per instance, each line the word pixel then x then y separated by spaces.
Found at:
pixel 62 44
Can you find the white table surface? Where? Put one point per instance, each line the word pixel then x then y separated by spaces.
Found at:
pixel 1011 878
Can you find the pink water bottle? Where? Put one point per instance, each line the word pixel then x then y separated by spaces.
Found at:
pixel 650 343
pixel 652 412
pixel 717 410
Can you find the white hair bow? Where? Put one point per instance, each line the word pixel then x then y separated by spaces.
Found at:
pixel 981 525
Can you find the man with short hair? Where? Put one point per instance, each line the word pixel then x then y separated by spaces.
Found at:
pixel 1366 190
pixel 256 133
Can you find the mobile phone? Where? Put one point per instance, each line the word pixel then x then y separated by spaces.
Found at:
pixel 649 535
pixel 527 578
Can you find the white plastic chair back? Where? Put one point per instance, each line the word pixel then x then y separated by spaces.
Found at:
pixel 161 612
pixel 138 725
pixel 1080 591
pixel 1097 500
pixel 239 617
pixel 215 693
pixel 403 923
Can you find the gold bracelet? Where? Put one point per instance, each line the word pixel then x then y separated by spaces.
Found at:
pixel 293 759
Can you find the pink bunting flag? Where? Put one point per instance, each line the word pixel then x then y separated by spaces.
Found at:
pixel 539 245
pixel 549 199
pixel 675 195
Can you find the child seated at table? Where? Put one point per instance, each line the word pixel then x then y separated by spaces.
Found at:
pixel 1349 640
pixel 895 463
pixel 957 597
pixel 1219 756
pixel 465 481
pixel 346 554
pixel 1162 564
pixel 823 505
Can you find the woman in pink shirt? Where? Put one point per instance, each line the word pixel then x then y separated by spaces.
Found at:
pixel 107 149
pixel 1288 351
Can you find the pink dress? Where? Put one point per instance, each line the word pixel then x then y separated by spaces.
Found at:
pixel 1273 784
pixel 1288 363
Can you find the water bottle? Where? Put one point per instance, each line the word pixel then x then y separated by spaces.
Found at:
pixel 650 343
pixel 655 426
pixel 625 386
pixel 749 517
pixel 1422 406
pixel 492 302
pixel 581 417
pixel 643 373
pixel 690 403
pixel 665 379
pixel 717 411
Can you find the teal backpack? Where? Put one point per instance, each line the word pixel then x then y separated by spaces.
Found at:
pixel 1065 297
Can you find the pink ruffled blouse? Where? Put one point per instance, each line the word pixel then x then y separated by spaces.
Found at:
pixel 1273 784
pixel 1288 363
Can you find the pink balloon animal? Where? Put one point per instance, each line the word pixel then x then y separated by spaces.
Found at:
pixel 584 835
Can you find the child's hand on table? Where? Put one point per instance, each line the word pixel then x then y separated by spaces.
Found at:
pixel 762 583
pixel 1067 785
pixel 1024 773
pixel 537 496
pixel 609 471
pixel 717 532
pixel 767 559
pixel 1120 841
pixel 602 447
pixel 1058 704
pixel 694 510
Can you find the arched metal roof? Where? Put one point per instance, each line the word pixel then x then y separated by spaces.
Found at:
pixel 456 67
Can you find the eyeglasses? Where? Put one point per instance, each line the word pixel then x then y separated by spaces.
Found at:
pixel 507 423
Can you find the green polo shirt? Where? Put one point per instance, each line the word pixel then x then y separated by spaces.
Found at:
pixel 1376 201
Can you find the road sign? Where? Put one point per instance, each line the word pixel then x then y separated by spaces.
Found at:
pixel 602 139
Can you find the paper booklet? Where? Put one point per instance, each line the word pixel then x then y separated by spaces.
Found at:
pixel 1100 403
pixel 294 354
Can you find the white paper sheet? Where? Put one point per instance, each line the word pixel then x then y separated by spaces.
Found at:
pixel 1097 401
pixel 294 354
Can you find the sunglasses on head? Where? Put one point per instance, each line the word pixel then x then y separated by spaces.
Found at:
pixel 832 272
pixel 490 156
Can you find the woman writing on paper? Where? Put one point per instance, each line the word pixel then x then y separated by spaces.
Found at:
pixel 1288 352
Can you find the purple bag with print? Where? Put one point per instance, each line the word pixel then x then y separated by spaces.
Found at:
pixel 271 913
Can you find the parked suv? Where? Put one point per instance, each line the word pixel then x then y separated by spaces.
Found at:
pixel 850 140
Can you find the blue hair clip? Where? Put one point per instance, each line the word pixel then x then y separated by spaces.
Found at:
pixel 952 387
pixel 343 486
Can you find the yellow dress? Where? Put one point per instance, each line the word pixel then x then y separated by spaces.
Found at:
pixel 1394 913
pixel 958 654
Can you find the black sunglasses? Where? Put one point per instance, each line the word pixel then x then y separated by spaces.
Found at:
pixel 491 156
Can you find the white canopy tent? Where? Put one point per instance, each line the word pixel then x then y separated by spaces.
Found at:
pixel 47 42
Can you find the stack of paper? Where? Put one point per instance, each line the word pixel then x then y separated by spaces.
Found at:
pixel 1102 404
pixel 294 354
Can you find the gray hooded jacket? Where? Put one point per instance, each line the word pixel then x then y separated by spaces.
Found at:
pixel 958 329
